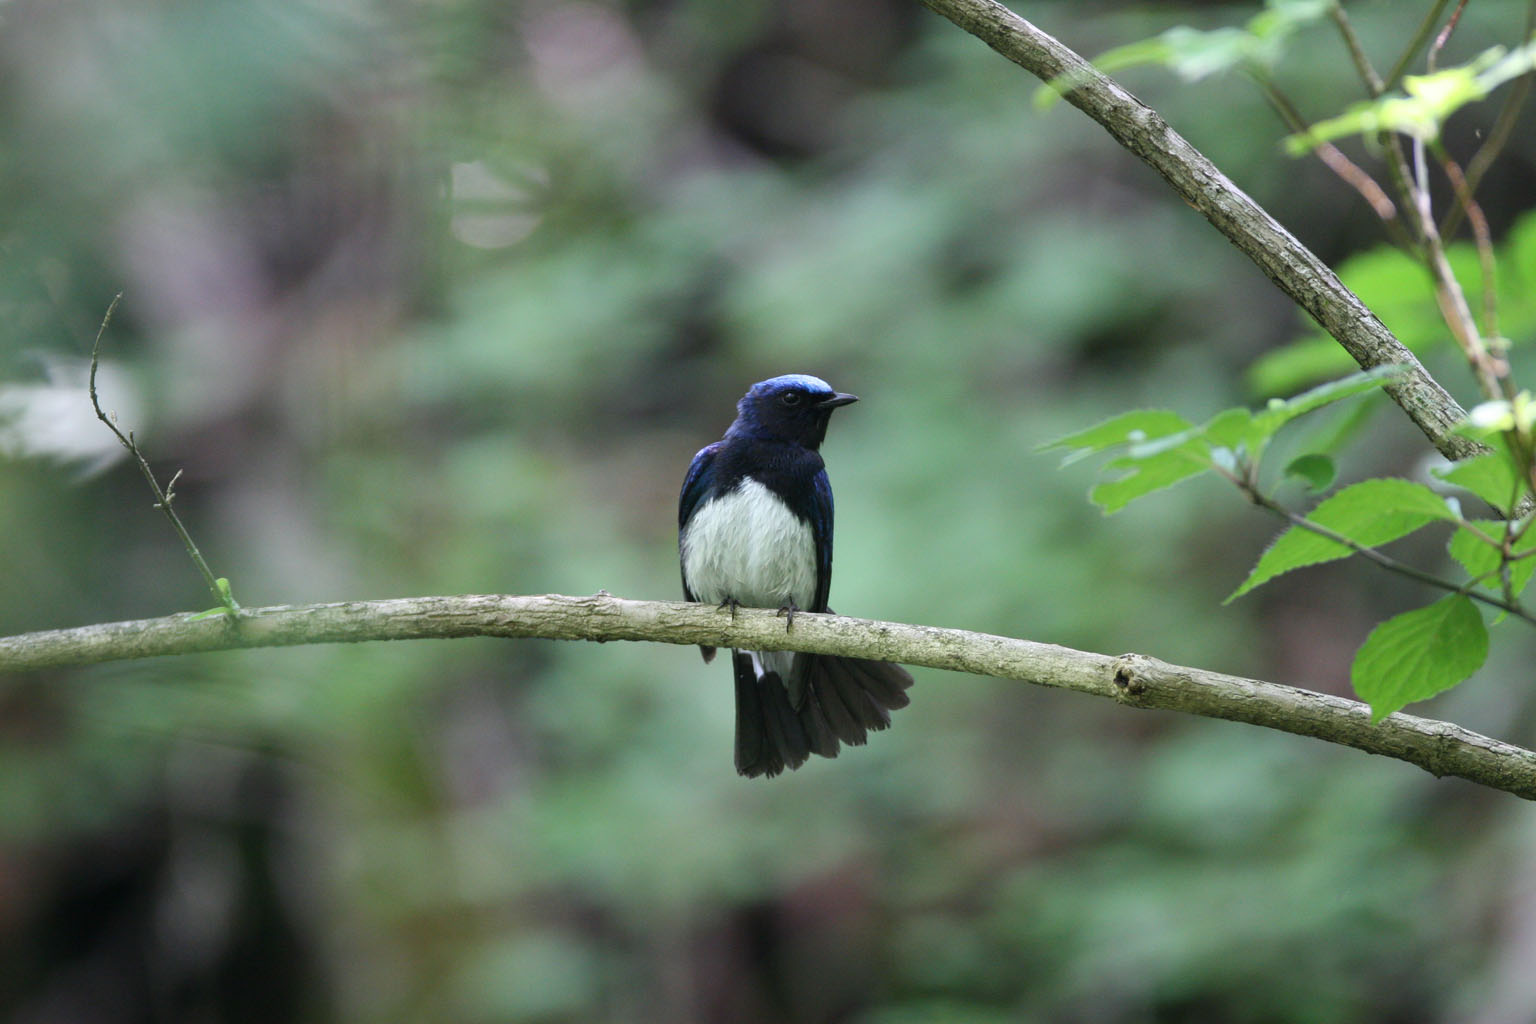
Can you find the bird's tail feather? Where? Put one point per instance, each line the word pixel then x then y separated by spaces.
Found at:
pixel 842 699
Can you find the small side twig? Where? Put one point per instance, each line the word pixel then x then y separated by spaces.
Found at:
pixel 1484 239
pixel 1491 370
pixel 1445 35
pixel 218 587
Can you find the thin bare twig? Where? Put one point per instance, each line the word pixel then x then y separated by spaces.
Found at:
pixel 1491 371
pixel 1484 240
pixel 1445 35
pixel 163 498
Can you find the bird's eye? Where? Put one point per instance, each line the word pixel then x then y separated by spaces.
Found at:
pixel 790 398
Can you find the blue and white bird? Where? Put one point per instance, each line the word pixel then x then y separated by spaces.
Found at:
pixel 755 529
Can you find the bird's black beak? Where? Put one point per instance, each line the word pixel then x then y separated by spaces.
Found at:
pixel 833 401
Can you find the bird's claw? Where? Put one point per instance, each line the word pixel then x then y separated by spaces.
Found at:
pixel 732 604
pixel 788 611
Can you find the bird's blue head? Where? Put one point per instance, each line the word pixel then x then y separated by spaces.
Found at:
pixel 792 408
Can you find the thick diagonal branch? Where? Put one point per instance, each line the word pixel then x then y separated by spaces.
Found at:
pixel 1284 260
pixel 1437 747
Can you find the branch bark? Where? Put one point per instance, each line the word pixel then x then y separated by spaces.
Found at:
pixel 1285 261
pixel 1132 679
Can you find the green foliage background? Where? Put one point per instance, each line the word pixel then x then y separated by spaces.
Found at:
pixel 442 297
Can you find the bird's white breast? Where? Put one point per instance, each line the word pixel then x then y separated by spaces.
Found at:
pixel 749 546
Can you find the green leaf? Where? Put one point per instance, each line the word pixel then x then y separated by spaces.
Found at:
pixel 1430 100
pixel 1194 54
pixel 1370 513
pixel 1146 475
pixel 1480 558
pixel 1133 427
pixel 1490 477
pixel 1281 17
pixel 1279 412
pixel 1418 654
pixel 1233 428
pixel 1317 470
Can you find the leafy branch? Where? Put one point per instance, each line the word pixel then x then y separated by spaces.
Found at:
pixel 1420 653
pixel 1412 656
pixel 1420 115
pixel 217 586
pixel 1295 269
pixel 1130 679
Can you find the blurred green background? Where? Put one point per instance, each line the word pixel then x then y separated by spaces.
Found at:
pixel 440 296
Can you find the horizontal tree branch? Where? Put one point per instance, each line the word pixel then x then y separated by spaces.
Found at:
pixel 1136 680
pixel 1309 281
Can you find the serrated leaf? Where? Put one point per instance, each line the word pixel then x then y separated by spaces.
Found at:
pixel 1233 428
pixel 1370 513
pixel 1317 470
pixel 1134 427
pixel 1230 428
pixel 1480 558
pixel 1490 477
pixel 1279 412
pixel 1146 475
pixel 1418 654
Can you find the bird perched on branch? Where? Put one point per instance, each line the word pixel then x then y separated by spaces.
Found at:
pixel 755 529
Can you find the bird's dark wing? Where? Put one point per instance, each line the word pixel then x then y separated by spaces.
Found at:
pixel 821 534
pixel 700 478
pixel 696 485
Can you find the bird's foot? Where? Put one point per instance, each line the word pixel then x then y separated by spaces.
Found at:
pixel 788 611
pixel 732 604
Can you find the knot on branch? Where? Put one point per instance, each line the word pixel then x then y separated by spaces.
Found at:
pixel 1132 676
